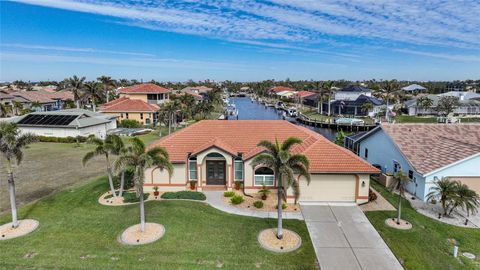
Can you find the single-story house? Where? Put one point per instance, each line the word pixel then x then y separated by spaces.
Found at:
pixel 424 152
pixel 354 107
pixel 468 104
pixel 285 94
pixel 301 95
pixel 48 100
pixel 132 109
pixel 66 123
pixel 216 153
pixel 277 89
pixel 413 88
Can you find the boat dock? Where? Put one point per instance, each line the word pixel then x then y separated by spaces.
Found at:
pixel 305 120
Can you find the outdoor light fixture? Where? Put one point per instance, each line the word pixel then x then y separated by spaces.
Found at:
pixel 363 183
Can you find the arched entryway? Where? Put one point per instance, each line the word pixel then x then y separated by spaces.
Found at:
pixel 215 169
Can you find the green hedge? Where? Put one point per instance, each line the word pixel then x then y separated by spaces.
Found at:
pixel 130 197
pixel 188 195
pixel 237 199
pixel 62 140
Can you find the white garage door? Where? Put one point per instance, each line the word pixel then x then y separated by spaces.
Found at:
pixel 328 188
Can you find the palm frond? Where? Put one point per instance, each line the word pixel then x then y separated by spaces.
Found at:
pixel 288 143
pixel 88 156
pixel 264 159
pixel 272 148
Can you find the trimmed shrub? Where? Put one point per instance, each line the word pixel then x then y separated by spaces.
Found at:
pixel 258 204
pixel 228 194
pixel 187 195
pixel 131 197
pixel 61 140
pixel 128 123
pixel 371 195
pixel 284 206
pixel 237 199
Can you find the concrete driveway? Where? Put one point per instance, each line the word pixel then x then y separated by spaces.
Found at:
pixel 344 239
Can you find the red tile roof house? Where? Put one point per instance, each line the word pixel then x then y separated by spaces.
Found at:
pixel 218 153
pixel 132 109
pixel 276 89
pixel 147 92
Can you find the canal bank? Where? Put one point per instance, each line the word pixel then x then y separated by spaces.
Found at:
pixel 252 110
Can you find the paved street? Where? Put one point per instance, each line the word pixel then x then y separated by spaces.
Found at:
pixel 344 239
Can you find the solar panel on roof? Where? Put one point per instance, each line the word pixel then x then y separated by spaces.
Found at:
pixel 47 120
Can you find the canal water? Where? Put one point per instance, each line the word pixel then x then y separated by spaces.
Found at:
pixel 248 110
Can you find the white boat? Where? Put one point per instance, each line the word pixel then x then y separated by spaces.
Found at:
pixel 292 112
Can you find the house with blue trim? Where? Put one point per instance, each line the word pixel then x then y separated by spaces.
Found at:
pixel 424 152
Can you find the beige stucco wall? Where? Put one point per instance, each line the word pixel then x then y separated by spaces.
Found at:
pixel 135 96
pixel 156 177
pixel 132 116
pixel 472 182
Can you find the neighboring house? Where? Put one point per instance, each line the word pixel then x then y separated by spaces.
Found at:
pixel 49 101
pixel 148 92
pixel 301 95
pixel 133 109
pixel 414 88
pixel 352 92
pixel 218 153
pixel 198 97
pixel 277 89
pixel 66 123
pixel 285 94
pixel 311 100
pixel 424 152
pixel 201 90
pixel 469 104
pixel 354 107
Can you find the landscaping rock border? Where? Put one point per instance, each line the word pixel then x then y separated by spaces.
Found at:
pixel 133 236
pixel 268 240
pixel 25 226
pixel 404 225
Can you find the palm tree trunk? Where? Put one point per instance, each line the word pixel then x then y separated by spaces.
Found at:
pixel 279 210
pixel 110 180
pixel 321 106
pixel 142 211
pixel 329 99
pixel 122 183
pixel 78 103
pixel 106 93
pixel 399 210
pixel 11 191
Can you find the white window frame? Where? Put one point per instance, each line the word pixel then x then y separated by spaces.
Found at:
pixel 190 169
pixel 235 170
pixel 263 176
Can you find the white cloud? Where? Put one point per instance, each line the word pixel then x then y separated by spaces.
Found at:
pixel 301 25
pixel 452 57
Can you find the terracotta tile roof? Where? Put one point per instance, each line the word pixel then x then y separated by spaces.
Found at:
pixel 242 136
pixel 432 146
pixel 303 94
pixel 125 104
pixel 43 96
pixel 282 88
pixel 146 88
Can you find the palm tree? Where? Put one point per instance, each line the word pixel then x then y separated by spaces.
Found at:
pixel 4 110
pixel 366 107
pixel 94 92
pixel 76 86
pixel 17 107
pixel 11 144
pixel 110 146
pixel 107 82
pixel 168 113
pixel 284 164
pixel 399 183
pixel 465 198
pixel 328 86
pixel 140 159
pixel 424 102
pixel 444 190
pixel 36 104
pixel 389 87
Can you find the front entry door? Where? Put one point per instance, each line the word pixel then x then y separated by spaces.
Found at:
pixel 215 172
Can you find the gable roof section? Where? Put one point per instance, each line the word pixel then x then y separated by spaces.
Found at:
pixel 242 136
pixel 146 88
pixel 429 147
pixel 355 88
pixel 43 96
pixel 303 94
pixel 125 104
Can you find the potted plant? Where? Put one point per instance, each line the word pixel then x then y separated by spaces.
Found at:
pixel 155 191
pixel 193 184
pixel 238 184
pixel 264 191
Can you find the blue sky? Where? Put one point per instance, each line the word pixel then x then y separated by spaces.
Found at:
pixel 240 40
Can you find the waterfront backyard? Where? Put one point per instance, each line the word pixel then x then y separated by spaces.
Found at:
pixel 76 232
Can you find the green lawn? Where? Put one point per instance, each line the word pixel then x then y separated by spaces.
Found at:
pixel 470 119
pixel 426 246
pixel 78 233
pixel 414 119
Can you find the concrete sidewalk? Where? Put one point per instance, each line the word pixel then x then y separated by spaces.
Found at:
pixel 344 239
pixel 215 199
